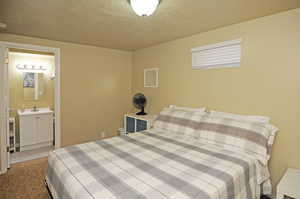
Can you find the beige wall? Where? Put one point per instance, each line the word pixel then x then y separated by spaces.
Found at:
pixel 267 83
pixel 95 88
pixel 96 82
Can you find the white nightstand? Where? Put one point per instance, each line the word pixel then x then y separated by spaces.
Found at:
pixel 136 123
pixel 289 185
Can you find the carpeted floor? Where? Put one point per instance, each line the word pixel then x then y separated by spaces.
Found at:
pixel 25 181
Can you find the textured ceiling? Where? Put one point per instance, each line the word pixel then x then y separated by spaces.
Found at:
pixel 112 23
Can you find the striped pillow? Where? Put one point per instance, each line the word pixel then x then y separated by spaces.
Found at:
pixel 246 118
pixel 250 137
pixel 179 121
pixel 187 108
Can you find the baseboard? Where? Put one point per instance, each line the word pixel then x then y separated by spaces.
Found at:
pixel 30 157
pixel 36 146
pixel 2 172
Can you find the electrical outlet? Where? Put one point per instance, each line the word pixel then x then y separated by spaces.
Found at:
pixel 103 134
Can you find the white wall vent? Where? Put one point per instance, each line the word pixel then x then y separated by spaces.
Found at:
pixel 225 54
pixel 151 77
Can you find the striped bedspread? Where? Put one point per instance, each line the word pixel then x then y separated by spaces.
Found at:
pixel 151 165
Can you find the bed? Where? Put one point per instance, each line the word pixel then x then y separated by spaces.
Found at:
pixel 158 164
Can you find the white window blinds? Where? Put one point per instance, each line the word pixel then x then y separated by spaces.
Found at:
pixel 225 54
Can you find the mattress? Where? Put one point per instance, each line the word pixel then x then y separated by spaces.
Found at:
pixel 152 165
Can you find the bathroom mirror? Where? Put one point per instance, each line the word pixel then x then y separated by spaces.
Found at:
pixel 33 85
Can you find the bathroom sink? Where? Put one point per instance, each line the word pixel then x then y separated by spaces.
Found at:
pixel 34 111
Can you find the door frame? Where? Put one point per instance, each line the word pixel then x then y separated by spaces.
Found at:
pixel 4 103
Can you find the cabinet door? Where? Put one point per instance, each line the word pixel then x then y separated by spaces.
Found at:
pixel 130 124
pixel 44 128
pixel 27 130
pixel 141 125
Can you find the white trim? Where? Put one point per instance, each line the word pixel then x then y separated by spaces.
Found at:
pixel 57 99
pixel 36 146
pixel 56 52
pixel 28 47
pixel 219 66
pixel 3 113
pixel 30 155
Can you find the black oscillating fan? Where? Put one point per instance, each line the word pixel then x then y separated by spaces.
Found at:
pixel 140 102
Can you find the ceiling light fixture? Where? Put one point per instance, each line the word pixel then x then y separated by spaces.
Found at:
pixel 144 8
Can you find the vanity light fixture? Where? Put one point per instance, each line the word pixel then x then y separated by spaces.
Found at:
pixel 31 67
pixel 144 8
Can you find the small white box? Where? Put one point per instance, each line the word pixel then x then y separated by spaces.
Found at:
pixel 289 185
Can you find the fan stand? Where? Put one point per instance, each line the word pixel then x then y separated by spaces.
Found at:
pixel 142 112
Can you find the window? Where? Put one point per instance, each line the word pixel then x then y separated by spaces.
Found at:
pixel 225 54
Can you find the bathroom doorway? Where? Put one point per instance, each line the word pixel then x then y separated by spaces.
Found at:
pixel 31 108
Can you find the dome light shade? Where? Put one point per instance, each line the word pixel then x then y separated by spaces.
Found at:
pixel 144 7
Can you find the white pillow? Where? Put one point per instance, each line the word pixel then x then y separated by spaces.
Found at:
pixel 247 118
pixel 187 108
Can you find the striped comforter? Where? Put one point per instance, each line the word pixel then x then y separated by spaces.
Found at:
pixel 151 165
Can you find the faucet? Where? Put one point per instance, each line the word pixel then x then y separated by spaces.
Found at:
pixel 34 109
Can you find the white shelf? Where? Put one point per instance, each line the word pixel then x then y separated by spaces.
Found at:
pixel 12 134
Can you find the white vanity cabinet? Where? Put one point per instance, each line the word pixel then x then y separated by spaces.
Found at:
pixel 36 130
